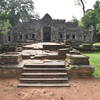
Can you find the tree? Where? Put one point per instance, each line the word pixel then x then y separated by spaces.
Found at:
pixel 4 23
pixel 75 21
pixel 4 26
pixel 18 10
pixel 97 4
pixel 92 18
pixel 82 4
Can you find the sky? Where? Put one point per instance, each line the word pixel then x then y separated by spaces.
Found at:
pixel 61 9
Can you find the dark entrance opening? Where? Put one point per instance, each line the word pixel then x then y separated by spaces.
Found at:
pixel 46 34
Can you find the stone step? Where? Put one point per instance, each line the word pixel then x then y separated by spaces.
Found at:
pixel 43 69
pixel 44 85
pixel 44 75
pixel 44 66
pixel 43 80
pixel 48 73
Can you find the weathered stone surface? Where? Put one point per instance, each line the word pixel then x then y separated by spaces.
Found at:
pixel 10 58
pixel 77 59
pixel 72 43
pixel 74 51
pixel 45 62
pixel 53 46
pixel 47 30
pixel 78 64
pixel 63 51
pixel 80 70
pixel 19 49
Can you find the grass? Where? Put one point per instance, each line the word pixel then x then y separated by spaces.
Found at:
pixel 95 61
pixel 97 44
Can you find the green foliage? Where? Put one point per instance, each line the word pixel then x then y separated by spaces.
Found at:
pixel 4 23
pixel 97 4
pixel 18 10
pixel 75 21
pixel 4 26
pixel 92 18
pixel 97 44
pixel 95 61
pixel 98 28
pixel 89 18
pixel 14 11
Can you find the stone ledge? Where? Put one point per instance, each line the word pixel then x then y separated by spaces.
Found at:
pixel 80 70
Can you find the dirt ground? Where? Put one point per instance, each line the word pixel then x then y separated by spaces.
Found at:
pixel 80 89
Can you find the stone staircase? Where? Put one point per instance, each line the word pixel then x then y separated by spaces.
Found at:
pixel 35 75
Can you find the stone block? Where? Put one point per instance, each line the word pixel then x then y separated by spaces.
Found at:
pixel 53 46
pixel 75 51
pixel 63 51
pixel 10 58
pixel 80 70
pixel 77 59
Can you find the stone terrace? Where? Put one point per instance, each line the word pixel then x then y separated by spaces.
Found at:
pixel 45 64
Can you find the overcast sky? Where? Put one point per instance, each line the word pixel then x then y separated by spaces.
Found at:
pixel 61 9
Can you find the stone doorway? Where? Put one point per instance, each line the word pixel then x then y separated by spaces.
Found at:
pixel 46 34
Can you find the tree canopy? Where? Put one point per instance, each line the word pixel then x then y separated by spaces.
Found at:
pixel 92 16
pixel 14 11
pixel 17 10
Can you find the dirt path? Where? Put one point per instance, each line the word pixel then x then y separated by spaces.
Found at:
pixel 81 89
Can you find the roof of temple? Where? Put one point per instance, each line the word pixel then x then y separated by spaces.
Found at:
pixel 47 17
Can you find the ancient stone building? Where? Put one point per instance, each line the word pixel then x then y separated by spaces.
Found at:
pixel 47 30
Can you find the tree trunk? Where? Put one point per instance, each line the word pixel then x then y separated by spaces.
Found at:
pixel 94 31
pixel 83 5
pixel 1 39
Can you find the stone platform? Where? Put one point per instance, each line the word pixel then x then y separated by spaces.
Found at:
pixel 28 54
pixel 78 65
pixel 45 46
pixel 45 64
pixel 10 58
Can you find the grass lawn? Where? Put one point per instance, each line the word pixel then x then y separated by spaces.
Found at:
pixel 95 61
pixel 97 44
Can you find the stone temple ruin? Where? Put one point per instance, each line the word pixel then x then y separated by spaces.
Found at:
pixel 47 29
pixel 43 54
pixel 44 64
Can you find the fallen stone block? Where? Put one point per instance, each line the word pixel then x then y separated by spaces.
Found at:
pixel 63 51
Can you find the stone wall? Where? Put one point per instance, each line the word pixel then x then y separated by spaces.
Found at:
pixel 60 31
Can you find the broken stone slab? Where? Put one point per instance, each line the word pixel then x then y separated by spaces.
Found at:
pixel 76 59
pixel 45 62
pixel 52 57
pixel 75 51
pixel 63 51
pixel 10 58
pixel 80 70
pixel 34 46
pixel 53 47
pixel 28 54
